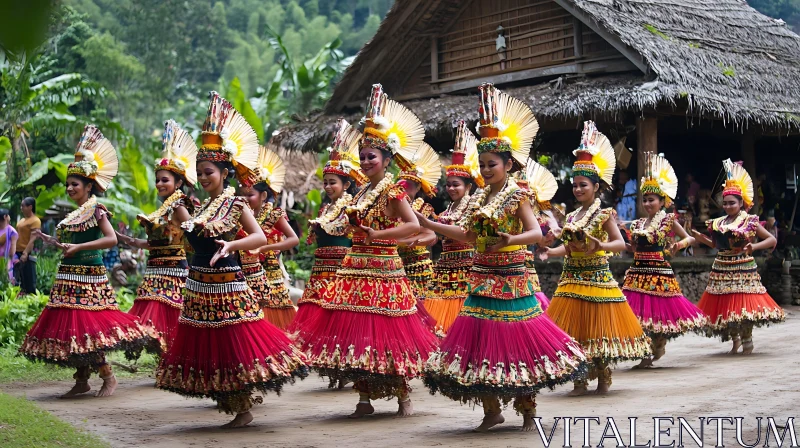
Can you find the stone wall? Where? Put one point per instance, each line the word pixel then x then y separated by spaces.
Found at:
pixel 692 273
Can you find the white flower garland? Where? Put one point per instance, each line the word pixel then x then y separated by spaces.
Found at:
pixel 207 211
pixel 77 213
pixel 371 196
pixel 165 207
pixel 455 215
pixel 651 229
pixel 326 221
pixel 570 228
pixel 490 210
pixel 734 225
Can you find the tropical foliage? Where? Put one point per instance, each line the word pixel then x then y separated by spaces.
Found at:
pixel 127 65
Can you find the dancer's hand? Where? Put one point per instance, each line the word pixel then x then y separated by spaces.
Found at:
pixel 370 232
pixel 505 241
pixel 423 221
pixel 593 245
pixel 70 249
pixel 222 252
pixel 748 249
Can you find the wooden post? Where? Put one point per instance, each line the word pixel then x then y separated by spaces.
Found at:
pixel 577 41
pixel 647 138
pixel 434 63
pixel 749 159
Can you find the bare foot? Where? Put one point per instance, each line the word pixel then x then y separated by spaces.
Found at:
pixel 737 342
pixel 489 421
pixel 405 409
pixel 342 384
pixel 109 386
pixel 80 387
pixel 578 390
pixel 645 364
pixel 240 421
pixel 362 409
pixel 659 352
pixel 602 388
pixel 527 422
pixel 747 347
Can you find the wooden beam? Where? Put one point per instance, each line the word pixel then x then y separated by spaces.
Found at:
pixel 577 32
pixel 634 56
pixel 749 159
pixel 434 60
pixel 620 65
pixel 647 142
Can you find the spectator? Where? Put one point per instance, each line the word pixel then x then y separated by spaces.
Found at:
pixel 8 243
pixel 25 269
pixel 626 207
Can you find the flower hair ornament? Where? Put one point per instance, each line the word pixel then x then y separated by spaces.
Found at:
pixel 424 168
pixel 595 157
pixel 465 156
pixel 390 126
pixel 95 158
pixel 227 137
pixel 344 159
pixel 738 182
pixel 506 124
pixel 270 169
pixel 178 152
pixel 660 178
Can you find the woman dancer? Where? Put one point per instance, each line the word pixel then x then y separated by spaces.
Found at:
pixel 735 301
pixel 650 285
pixel 268 277
pixel 224 349
pixel 449 286
pixel 502 346
pixel 421 174
pixel 588 303
pixel 374 335
pixel 341 174
pixel 543 187
pixel 82 321
pixel 160 296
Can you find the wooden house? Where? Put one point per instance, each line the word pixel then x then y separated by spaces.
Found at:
pixel 698 80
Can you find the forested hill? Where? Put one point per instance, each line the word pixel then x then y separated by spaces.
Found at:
pixel 206 43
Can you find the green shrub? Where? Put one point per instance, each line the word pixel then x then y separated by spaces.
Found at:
pixel 17 315
pixel 46 269
pixel 125 297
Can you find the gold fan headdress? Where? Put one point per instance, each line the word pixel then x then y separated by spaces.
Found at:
pixel 227 137
pixel 344 159
pixel 465 156
pixel 178 152
pixel 390 126
pixel 738 182
pixel 506 124
pixel 660 178
pixel 424 168
pixel 270 168
pixel 95 158
pixel 595 156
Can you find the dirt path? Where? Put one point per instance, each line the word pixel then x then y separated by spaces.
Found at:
pixel 695 379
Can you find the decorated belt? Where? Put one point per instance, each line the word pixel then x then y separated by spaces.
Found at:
pixel 217 277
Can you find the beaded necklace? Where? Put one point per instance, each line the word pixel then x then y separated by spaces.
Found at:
pixel 208 210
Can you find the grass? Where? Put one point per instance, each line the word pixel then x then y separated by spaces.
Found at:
pixel 15 368
pixel 655 31
pixel 23 425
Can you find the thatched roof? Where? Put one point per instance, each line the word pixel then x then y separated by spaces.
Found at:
pixel 715 58
pixel 301 172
